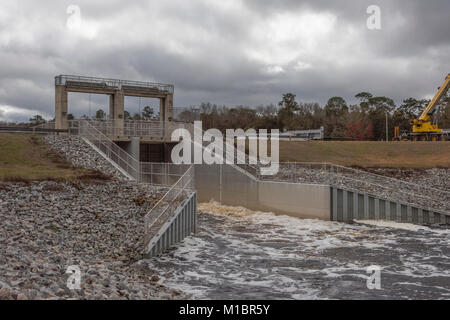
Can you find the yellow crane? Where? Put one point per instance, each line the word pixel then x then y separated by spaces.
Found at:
pixel 423 128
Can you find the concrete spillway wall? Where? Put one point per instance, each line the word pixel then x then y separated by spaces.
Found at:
pixel 231 185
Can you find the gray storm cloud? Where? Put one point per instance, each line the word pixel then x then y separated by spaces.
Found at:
pixel 228 52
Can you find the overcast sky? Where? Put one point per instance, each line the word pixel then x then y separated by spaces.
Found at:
pixel 226 52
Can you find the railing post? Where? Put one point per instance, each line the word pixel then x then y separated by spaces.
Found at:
pixel 345 206
pixel 166 174
pixel 331 178
pixel 220 184
pixel 334 205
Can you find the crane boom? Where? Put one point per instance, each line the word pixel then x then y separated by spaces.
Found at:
pixel 441 92
pixel 424 128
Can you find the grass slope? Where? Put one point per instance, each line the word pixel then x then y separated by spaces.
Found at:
pixel 368 153
pixel 27 157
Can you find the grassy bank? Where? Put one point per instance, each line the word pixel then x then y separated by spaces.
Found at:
pixel 27 157
pixel 369 153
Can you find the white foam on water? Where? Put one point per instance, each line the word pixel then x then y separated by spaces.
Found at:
pixel 314 233
pixel 401 225
pixel 239 251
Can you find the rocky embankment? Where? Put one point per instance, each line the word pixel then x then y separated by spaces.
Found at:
pixel 438 178
pixel 97 226
pixel 80 154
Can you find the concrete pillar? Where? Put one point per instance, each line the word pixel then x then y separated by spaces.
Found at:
pixel 118 112
pixel 162 115
pixel 61 108
pixel 166 113
pixel 135 146
pixel 168 106
pixel 111 107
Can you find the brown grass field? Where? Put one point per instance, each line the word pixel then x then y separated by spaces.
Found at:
pixel 368 153
pixel 26 158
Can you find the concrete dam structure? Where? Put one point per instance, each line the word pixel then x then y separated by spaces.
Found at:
pixel 116 89
pixel 141 151
pixel 145 140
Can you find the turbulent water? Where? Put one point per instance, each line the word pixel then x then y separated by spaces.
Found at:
pixel 242 254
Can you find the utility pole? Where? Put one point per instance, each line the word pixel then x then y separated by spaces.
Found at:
pixel 387 131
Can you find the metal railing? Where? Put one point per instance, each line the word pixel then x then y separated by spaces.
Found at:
pixel 152 129
pixel 140 128
pixel 240 159
pixel 114 153
pixel 167 205
pixel 42 129
pixel 161 173
pixel 155 173
pixel 45 125
pixel 107 83
pixel 188 114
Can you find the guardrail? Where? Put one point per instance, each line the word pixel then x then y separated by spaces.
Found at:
pixel 140 128
pixel 161 173
pixel 108 83
pixel 166 208
pixel 240 158
pixel 45 125
pixel 32 130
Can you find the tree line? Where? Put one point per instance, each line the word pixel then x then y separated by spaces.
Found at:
pixel 365 120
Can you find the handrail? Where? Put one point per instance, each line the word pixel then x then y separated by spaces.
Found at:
pixel 386 177
pixel 112 83
pixel 97 137
pixel 139 128
pixel 360 172
pixel 167 204
pixel 172 188
pixel 238 155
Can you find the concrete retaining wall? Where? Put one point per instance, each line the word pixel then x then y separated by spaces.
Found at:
pixel 230 185
pixel 233 186
pixel 178 227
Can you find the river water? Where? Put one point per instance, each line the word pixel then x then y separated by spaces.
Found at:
pixel 242 254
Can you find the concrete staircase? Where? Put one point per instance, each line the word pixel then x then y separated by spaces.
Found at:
pixel 174 216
